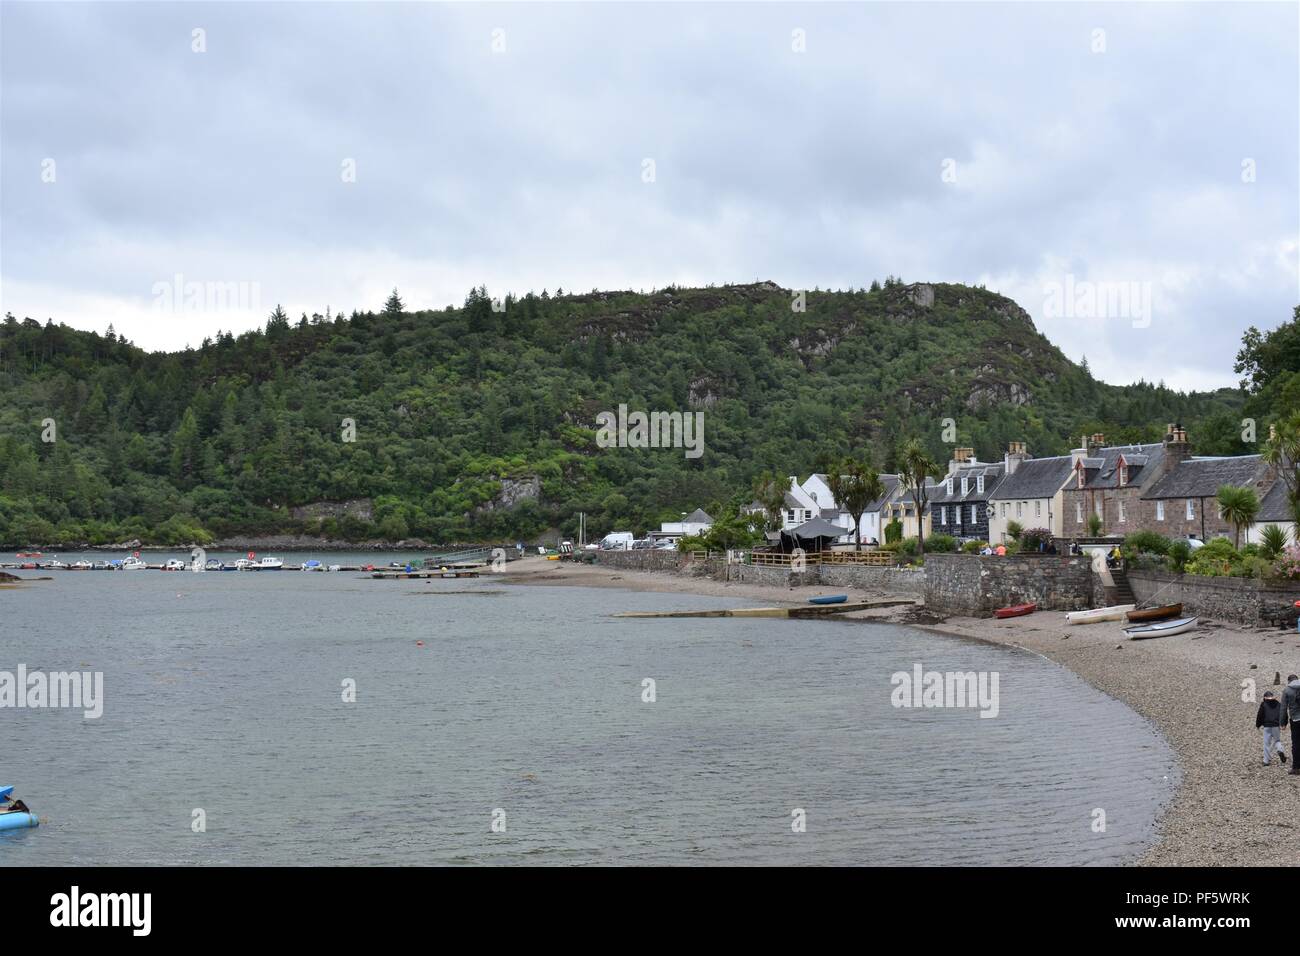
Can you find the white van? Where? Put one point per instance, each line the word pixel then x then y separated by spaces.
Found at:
pixel 616 541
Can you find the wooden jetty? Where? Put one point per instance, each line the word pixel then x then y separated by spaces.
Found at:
pixel 799 611
pixel 455 571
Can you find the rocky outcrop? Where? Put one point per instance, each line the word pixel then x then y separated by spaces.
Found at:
pixel 359 508
pixel 513 491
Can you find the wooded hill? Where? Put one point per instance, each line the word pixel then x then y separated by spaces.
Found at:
pixel 478 423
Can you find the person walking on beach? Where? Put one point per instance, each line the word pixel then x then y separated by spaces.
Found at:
pixel 1291 713
pixel 1269 718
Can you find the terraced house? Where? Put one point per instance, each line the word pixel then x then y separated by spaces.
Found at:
pixel 959 504
pixel 1109 481
pixel 1031 494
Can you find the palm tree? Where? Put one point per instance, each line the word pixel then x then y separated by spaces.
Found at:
pixel 1238 506
pixel 915 467
pixel 1282 451
pixel 770 491
pixel 855 485
pixel 1272 540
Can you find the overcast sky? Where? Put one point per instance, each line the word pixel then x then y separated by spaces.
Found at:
pixel 1050 151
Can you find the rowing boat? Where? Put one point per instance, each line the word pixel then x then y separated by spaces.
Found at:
pixel 1155 613
pixel 1114 613
pixel 1160 629
pixel 829 599
pixel 1016 610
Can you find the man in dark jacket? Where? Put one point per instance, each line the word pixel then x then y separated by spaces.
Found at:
pixel 1291 712
pixel 1269 718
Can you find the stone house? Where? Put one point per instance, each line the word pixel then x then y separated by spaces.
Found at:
pixel 1109 481
pixel 1184 502
pixel 960 505
pixel 1031 494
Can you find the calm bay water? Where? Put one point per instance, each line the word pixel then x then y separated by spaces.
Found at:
pixel 223 692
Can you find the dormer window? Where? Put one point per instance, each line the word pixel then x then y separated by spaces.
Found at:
pixel 965 486
pixel 1123 472
pixel 1078 475
pixel 947 482
pixel 979 484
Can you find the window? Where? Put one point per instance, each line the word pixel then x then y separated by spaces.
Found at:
pixel 979 484
pixel 956 515
pixel 973 519
pixel 1020 509
pixel 1191 510
pixel 965 486
pixel 1160 511
pixel 943 515
pixel 948 484
pixel 1123 474
pixel 1122 516
pixel 1005 506
pixel 1078 512
pixel 1097 503
pixel 789 515
pixel 1038 509
pixel 1078 477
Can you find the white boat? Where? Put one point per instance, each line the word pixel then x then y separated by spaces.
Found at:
pixel 269 564
pixel 81 565
pixel 133 564
pixel 245 564
pixel 336 567
pixel 175 564
pixel 55 564
pixel 1161 628
pixel 1115 613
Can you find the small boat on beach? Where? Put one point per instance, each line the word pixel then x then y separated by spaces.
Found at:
pixel 1161 628
pixel 1015 610
pixel 829 599
pixel 1155 613
pixel 1114 613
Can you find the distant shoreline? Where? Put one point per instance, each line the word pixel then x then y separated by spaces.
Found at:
pixel 1229 810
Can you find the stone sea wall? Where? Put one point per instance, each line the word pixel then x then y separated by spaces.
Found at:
pixel 1239 600
pixel 977 585
pixel 858 577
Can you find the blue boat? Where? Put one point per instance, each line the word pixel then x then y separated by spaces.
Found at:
pixel 829 599
pixel 15 820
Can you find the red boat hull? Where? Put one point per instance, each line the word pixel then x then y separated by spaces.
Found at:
pixel 1016 610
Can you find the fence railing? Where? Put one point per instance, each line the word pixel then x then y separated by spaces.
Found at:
pixel 876 559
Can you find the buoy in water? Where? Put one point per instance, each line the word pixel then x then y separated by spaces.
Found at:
pixel 419 643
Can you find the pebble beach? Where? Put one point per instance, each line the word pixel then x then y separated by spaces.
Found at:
pixel 1230 810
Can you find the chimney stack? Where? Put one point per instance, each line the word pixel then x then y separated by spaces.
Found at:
pixel 961 456
pixel 1177 449
pixel 1015 455
pixel 1095 443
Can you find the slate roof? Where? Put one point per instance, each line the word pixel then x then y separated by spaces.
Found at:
pixel 792 502
pixel 1202 477
pixel 992 474
pixel 1274 505
pixel 1035 478
pixel 1144 461
pixel 891 484
pixel 699 515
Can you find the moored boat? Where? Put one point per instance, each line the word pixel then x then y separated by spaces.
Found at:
pixel 11 819
pixel 1015 610
pixel 1161 628
pixel 829 599
pixel 269 564
pixel 1155 613
pixel 133 564
pixel 1092 616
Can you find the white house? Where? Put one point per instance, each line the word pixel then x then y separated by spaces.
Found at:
pixel 817 487
pixel 1031 494
pixel 697 522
